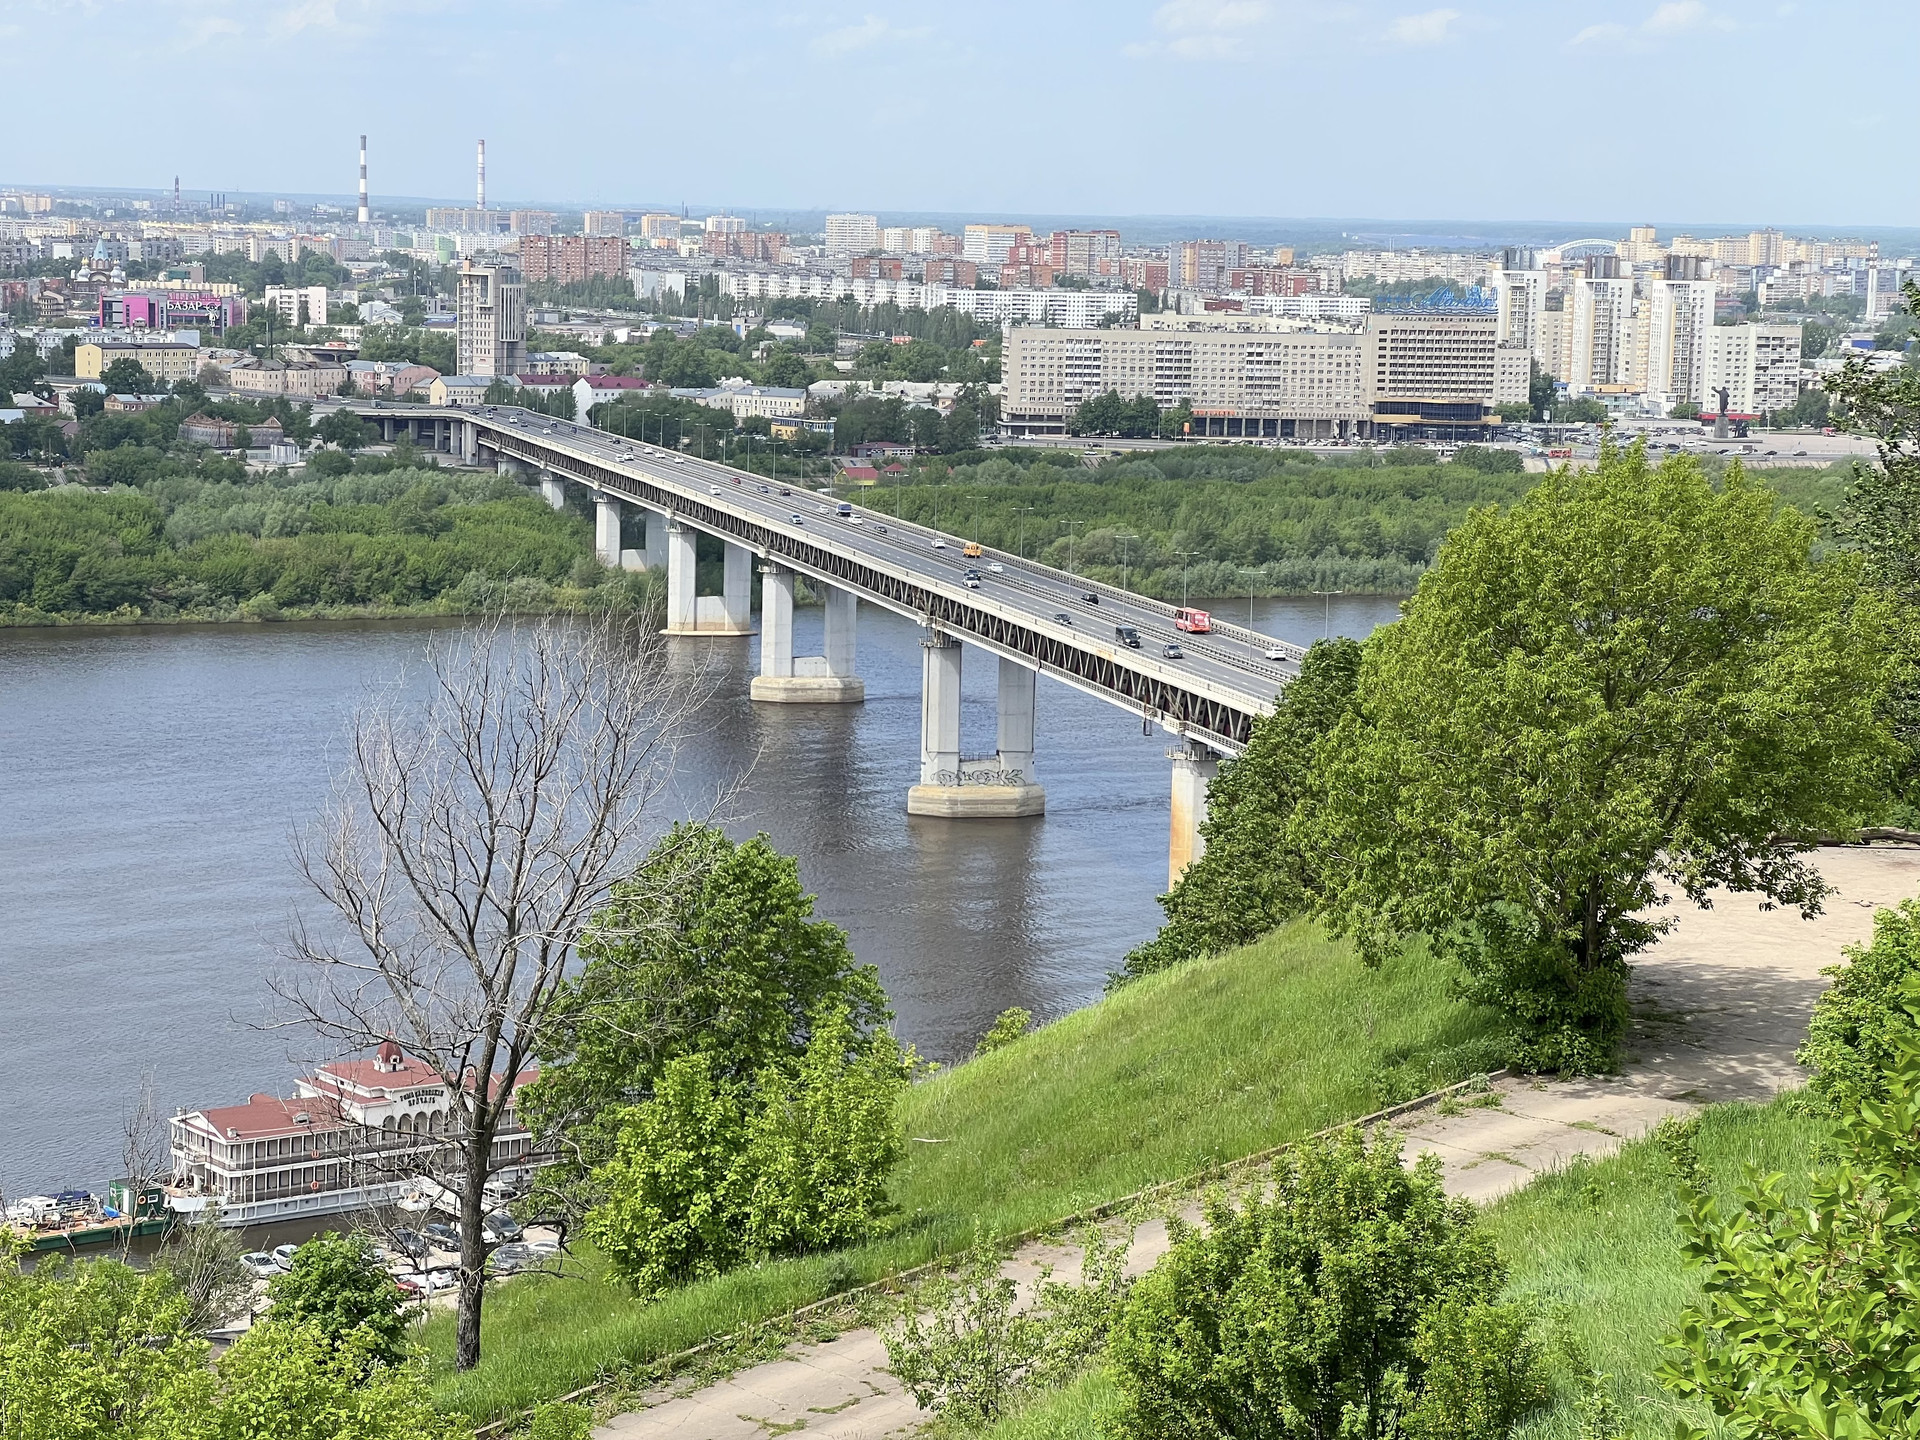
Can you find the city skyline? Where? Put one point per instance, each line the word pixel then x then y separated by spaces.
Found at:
pixel 1359 109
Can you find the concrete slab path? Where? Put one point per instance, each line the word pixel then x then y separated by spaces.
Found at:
pixel 1720 1004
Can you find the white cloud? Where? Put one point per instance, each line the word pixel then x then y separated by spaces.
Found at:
pixel 872 30
pixel 1430 28
pixel 1204 29
pixel 1674 17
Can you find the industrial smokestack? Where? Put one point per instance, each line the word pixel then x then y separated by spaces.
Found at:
pixel 482 193
pixel 366 215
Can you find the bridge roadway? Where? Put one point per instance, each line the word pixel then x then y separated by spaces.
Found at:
pixel 1032 615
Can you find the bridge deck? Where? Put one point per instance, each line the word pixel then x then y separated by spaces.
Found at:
pixel 1212 695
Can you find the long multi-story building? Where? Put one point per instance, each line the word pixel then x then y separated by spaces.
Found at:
pixel 852 234
pixel 491 331
pixel 166 361
pixel 1399 374
pixel 987 245
pixel 1602 305
pixel 569 259
pixel 604 222
pixel 1678 320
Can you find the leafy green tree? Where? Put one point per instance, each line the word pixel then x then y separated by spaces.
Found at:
pixel 1685 410
pixel 127 376
pixel 342 428
pixel 1632 675
pixel 293 1381
pixel 784 367
pixel 708 1172
pixel 1861 1021
pixel 1489 460
pixel 94 1349
pixel 1806 1328
pixel 1881 519
pixel 710 948
pixel 338 1287
pixel 1540 390
pixel 1309 1311
pixel 1253 873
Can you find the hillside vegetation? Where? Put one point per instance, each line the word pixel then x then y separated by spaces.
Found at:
pixel 1206 1063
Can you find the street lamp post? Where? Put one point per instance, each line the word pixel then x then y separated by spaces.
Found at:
pixel 1186 564
pixel 1326 611
pixel 1023 511
pixel 1071 537
pixel 1124 540
pixel 1250 573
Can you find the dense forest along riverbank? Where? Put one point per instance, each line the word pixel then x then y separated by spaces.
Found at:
pixel 154 778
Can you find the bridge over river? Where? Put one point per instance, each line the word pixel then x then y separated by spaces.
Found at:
pixel 1033 619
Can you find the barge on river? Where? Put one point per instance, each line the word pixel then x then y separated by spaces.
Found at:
pixel 355 1135
pixel 75 1221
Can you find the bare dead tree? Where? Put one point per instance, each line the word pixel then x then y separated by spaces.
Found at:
pixel 471 835
pixel 145 1159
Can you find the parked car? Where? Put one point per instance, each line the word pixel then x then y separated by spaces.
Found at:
pixel 445 1236
pixel 259 1264
pixel 543 1249
pixel 499 1226
pixel 409 1243
pixel 509 1258
pixel 283 1256
pixel 445 1277
pixel 409 1288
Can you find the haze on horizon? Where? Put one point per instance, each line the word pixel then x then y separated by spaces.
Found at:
pixel 1710 111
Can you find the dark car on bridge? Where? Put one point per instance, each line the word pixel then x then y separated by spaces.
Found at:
pixel 1127 636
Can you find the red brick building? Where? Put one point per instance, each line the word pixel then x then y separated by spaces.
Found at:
pixel 568 259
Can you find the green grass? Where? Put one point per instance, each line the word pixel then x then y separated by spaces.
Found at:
pixel 1206 1063
pixel 1595 1247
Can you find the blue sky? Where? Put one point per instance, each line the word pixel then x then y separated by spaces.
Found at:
pixel 1728 111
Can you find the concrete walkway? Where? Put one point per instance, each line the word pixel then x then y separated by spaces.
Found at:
pixel 1719 1007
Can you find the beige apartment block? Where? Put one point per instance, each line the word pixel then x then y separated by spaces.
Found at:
pixel 166 361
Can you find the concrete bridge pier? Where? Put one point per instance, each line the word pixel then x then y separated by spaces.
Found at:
pixel 691 613
pixel 606 530
pixel 552 490
pixel 1194 767
pixel 808 679
pixel 952 787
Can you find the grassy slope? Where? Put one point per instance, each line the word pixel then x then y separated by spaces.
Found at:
pixel 1594 1246
pixel 1213 1061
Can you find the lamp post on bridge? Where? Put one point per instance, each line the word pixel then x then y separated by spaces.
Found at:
pixel 1070 539
pixel 1326 611
pixel 1023 511
pixel 1250 572
pixel 1124 540
pixel 1186 564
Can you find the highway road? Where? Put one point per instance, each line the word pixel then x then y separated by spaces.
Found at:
pixel 1233 666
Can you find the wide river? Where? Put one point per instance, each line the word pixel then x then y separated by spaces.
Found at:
pixel 151 781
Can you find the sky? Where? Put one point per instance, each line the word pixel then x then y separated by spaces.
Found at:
pixel 1705 112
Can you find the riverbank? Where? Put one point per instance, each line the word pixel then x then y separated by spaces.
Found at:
pixel 621 593
pixel 1196 1067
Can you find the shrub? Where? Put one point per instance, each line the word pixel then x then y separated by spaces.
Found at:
pixel 710 1171
pixel 336 1286
pixel 1314 1309
pixel 1806 1327
pixel 1484 1373
pixel 1861 1020
pixel 1008 1026
pixel 557 1421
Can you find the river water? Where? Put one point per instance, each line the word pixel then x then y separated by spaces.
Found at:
pixel 151 781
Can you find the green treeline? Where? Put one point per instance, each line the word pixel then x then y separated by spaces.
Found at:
pixel 1300 522
pixel 182 545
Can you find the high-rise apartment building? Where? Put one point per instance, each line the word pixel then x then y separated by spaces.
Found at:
pixel 491 334
pixel 988 245
pixel 725 224
pixel 446 219
pixel 569 259
pixel 1602 305
pixel 1642 246
pixel 298 304
pixel 659 226
pixel 1444 373
pixel 604 222
pixel 852 234
pixel 911 239
pixel 531 222
pixel 1678 318
pixel 1089 253
pixel 1205 265
pixel 1521 292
